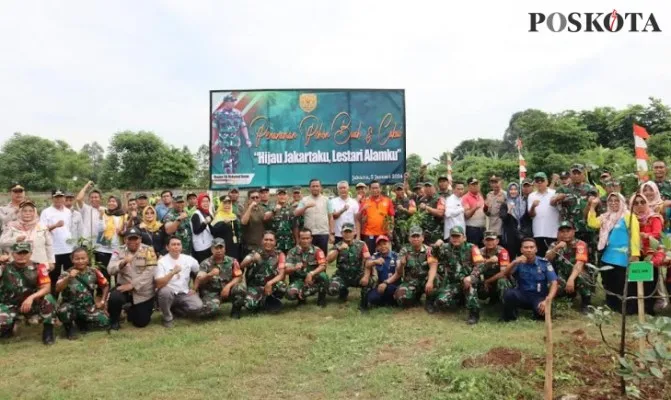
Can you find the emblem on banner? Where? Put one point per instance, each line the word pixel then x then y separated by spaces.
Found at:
pixel 308 102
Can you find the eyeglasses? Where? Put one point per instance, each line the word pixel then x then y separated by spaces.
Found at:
pixel 254 197
pixel 639 203
pixel 539 180
pixel 17 191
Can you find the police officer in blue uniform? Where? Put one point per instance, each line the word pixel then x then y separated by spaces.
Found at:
pixel 385 262
pixel 536 283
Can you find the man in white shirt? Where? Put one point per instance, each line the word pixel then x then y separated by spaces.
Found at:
pixel 172 277
pixel 344 209
pixel 57 219
pixel 318 216
pixel 454 210
pixel 90 212
pixel 545 216
pixel 76 223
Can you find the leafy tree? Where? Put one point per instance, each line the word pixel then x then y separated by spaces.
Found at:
pixel 129 157
pixel 478 147
pixel 171 168
pixel 412 165
pixel 202 176
pixel 96 155
pixel 659 146
pixel 30 160
pixel 71 167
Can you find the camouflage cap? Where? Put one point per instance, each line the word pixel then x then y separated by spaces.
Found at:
pixel 230 97
pixel 179 199
pixel 398 186
pixel 22 247
pixel 428 184
pixel 565 225
pixel 281 190
pixel 415 231
pixel 527 181
pixel 348 226
pixel 233 189
pixel 564 175
pixel 577 167
pixel 218 242
pixel 142 196
pixel 296 189
pixel 418 186
pixel 457 231
pixel 57 193
pixel 491 235
pixel 360 185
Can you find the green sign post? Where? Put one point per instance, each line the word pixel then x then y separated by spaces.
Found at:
pixel 640 271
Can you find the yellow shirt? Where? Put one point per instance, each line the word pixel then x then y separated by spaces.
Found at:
pixel 635 244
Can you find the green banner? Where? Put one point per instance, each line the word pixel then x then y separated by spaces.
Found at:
pixel 282 138
pixel 640 271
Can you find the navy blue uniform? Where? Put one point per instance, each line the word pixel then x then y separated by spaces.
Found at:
pixel 532 280
pixel 384 272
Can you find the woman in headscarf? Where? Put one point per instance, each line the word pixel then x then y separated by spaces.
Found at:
pixel 511 216
pixel 28 229
pixel 110 236
pixel 654 199
pixel 226 225
pixel 150 228
pixel 651 225
pixel 200 226
pixel 619 244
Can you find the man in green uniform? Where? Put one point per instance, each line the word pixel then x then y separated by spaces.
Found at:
pixel 24 289
pixel 264 270
pixel 280 218
pixel 177 223
pixel 350 256
pixel 572 201
pixel 234 194
pixel 664 186
pixel 433 218
pixel 78 287
pixel 404 208
pixel 569 256
pixel 229 125
pixel 462 262
pixel 219 279
pixel 496 259
pixel 306 267
pixel 416 264
pixel 192 204
pixel 444 187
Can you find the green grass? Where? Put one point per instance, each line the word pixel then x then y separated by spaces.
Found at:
pixel 304 353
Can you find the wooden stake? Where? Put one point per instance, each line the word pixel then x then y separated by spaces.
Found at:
pixel 641 312
pixel 548 351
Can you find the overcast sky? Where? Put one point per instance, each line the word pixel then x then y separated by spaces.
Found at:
pixel 82 70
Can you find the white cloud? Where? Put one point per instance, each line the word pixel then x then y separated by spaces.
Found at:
pixel 83 70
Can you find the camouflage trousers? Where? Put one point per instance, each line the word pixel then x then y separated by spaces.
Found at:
pixel 409 293
pixel 229 157
pixel 256 296
pixel 72 312
pixel 450 294
pixel 212 300
pixel 582 287
pixel 339 285
pixel 495 291
pixel 44 308
pixel 297 289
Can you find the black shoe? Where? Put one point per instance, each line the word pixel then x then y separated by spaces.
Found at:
pixel 363 304
pixel 48 334
pixel 429 307
pixel 7 332
pixel 235 312
pixel 473 317
pixel 584 306
pixel 342 297
pixel 70 331
pixel 273 304
pixel 301 302
pixel 83 327
pixel 321 299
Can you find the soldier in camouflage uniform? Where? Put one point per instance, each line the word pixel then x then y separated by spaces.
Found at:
pixel 569 256
pixel 78 287
pixel 24 289
pixel 462 262
pixel 178 223
pixel 306 267
pixel 219 279
pixel 573 200
pixel 297 222
pixel 350 256
pixel 433 208
pixel 404 208
pixel 664 186
pixel 444 187
pixel 496 259
pixel 280 220
pixel 228 124
pixel 416 264
pixel 264 271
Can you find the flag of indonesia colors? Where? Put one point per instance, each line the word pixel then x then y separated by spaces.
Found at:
pixel 641 152
pixel 523 163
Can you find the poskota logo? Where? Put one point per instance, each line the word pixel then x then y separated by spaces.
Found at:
pixel 593 22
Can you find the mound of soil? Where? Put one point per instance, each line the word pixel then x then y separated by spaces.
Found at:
pixel 496 357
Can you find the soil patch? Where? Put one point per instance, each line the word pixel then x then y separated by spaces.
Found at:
pixel 496 357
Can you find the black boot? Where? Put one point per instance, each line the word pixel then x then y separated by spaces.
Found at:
pixel 584 305
pixel 235 311
pixel 363 304
pixel 429 306
pixel 70 332
pixel 342 296
pixel 83 326
pixel 473 317
pixel 321 299
pixel 7 332
pixel 273 304
pixel 48 334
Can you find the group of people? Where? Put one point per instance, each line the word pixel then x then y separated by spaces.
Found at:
pixel 91 266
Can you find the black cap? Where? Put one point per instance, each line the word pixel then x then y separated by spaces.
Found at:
pixel 472 180
pixel 69 194
pixel 191 194
pixel 179 199
pixel 230 97
pixel 442 178
pixel 218 242
pixel 565 175
pixel 281 190
pixel 57 193
pixel 133 232
pixel 142 196
pixel 417 186
pixel 264 189
pixel 428 184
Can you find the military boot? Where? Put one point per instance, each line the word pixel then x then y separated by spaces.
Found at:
pixel 321 298
pixel 429 306
pixel 7 332
pixel 83 326
pixel 48 334
pixel 584 305
pixel 235 311
pixel 363 304
pixel 473 317
pixel 70 332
